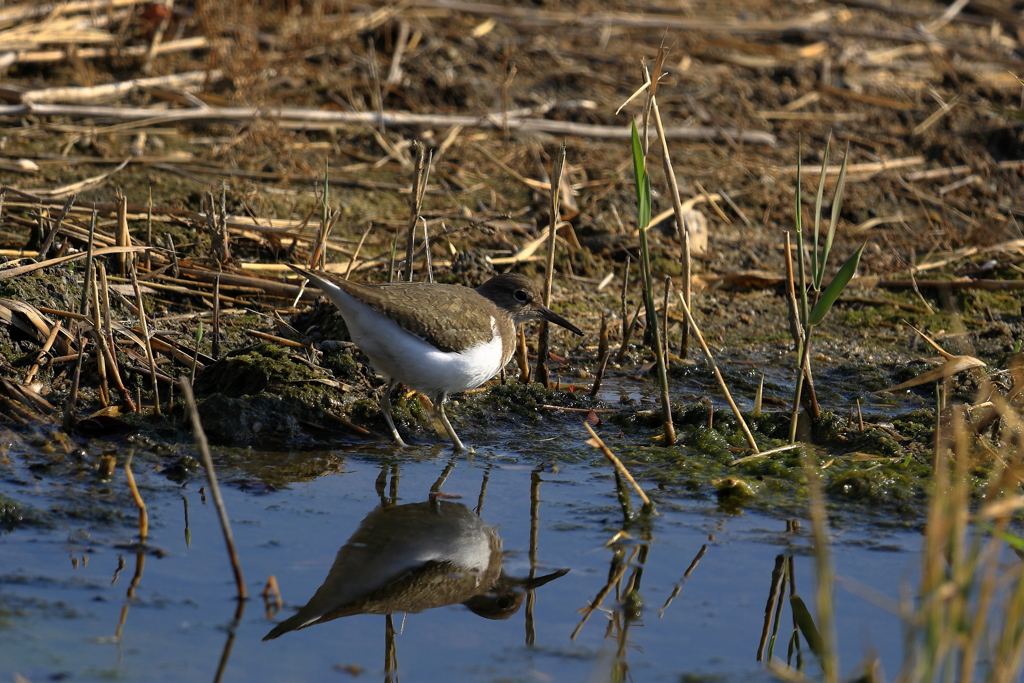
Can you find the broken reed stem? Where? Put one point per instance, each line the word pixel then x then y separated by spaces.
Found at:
pixel 619 467
pixel 718 376
pixel 549 266
pixel 137 497
pixel 684 234
pixel 272 597
pixel 47 345
pixel 150 358
pixel 204 451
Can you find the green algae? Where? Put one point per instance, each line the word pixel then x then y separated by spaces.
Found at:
pixel 262 393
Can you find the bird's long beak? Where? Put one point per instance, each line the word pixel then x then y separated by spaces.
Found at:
pixel 551 316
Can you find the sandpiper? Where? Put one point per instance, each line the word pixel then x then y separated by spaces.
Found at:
pixel 436 339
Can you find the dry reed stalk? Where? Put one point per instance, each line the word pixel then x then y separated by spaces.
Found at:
pixel 277 340
pixel 619 467
pixel 68 423
pixel 83 53
pixel 109 345
pixel 149 232
pixel 215 339
pixel 122 238
pixel 628 333
pixel 292 118
pixel 195 355
pixel 140 565
pixel 595 604
pixel 83 94
pixel 137 497
pixel 625 291
pixel 144 325
pixel 711 201
pixel 359 247
pixel 421 174
pixel 549 266
pixel 55 230
pixel 736 208
pixel 718 376
pixel 426 251
pixel 664 319
pixel 188 528
pixel 758 397
pixel 795 326
pixel 318 259
pixel 97 339
pixel 774 606
pixel 522 359
pixel 204 451
pixel 90 255
pixel 603 354
pixel 232 630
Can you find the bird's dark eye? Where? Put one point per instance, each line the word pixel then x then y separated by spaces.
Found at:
pixel 521 296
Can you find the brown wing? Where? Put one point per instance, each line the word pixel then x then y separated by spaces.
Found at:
pixel 449 317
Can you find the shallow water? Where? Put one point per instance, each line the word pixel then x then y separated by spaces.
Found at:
pixel 61 614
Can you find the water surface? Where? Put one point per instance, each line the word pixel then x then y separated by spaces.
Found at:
pixel 170 615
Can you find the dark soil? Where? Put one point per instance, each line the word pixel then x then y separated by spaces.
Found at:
pixel 864 76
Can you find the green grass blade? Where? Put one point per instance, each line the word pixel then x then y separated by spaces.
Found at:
pixel 836 287
pixel 643 182
pixel 818 266
pixel 837 206
pixel 1011 539
pixel 799 218
pixel 798 209
pixel 803 619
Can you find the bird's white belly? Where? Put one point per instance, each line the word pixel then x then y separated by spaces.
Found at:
pixel 405 357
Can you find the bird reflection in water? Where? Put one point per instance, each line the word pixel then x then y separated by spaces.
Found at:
pixel 414 557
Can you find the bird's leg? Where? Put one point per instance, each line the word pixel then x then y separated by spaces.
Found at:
pixel 439 407
pixel 385 409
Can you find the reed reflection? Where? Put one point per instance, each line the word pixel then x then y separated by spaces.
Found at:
pixel 415 557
